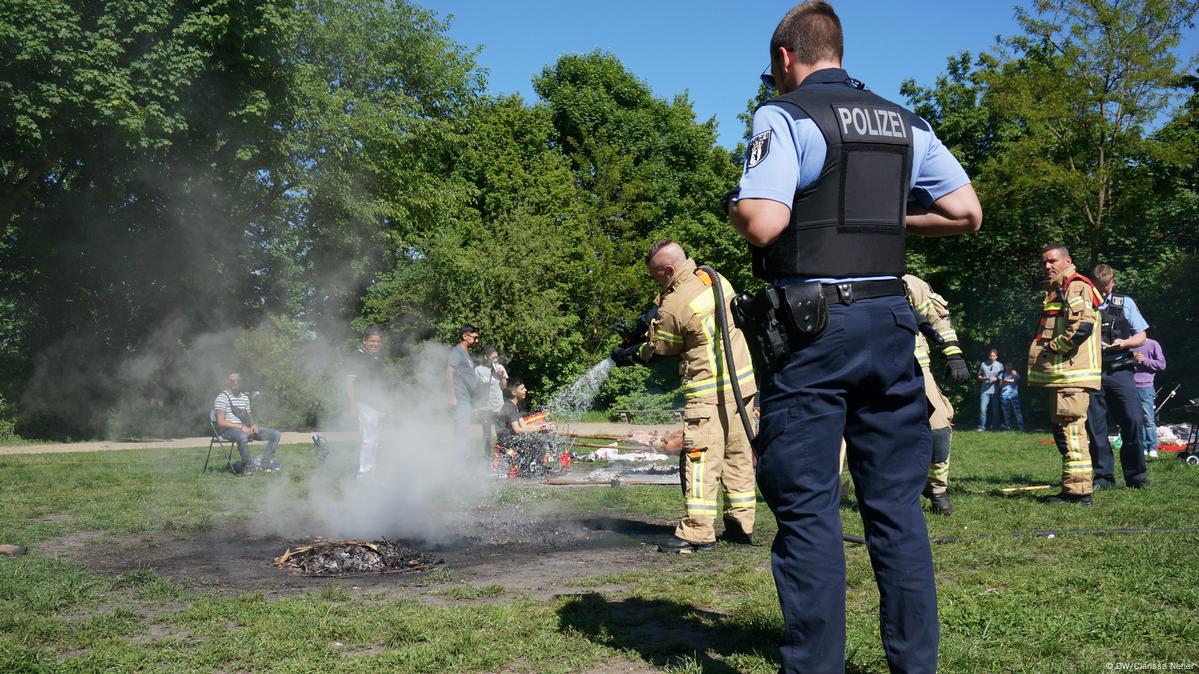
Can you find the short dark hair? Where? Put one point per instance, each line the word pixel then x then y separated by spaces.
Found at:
pixel 468 329
pixel 490 349
pixel 371 332
pixel 513 384
pixel 1056 246
pixel 656 247
pixel 812 30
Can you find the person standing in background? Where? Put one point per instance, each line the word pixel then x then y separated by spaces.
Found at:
pixel 1064 358
pixel 1009 398
pixel 492 378
pixel 461 382
pixel 1149 361
pixel 367 393
pixel 989 374
pixel 1123 329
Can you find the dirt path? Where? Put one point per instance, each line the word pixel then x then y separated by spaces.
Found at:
pixel 289 438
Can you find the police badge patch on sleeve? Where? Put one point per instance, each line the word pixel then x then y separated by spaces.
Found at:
pixel 759 147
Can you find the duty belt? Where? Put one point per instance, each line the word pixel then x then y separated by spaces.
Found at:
pixel 852 291
pixel 778 320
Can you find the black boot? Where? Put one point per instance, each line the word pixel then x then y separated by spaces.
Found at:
pixel 679 546
pixel 939 504
pixel 1072 499
pixel 733 533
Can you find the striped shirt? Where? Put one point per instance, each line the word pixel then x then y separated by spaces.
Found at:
pixel 222 404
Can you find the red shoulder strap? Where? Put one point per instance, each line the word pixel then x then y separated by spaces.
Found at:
pixel 1096 299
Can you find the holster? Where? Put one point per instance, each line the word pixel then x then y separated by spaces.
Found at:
pixel 1118 362
pixel 759 318
pixel 805 312
pixel 778 320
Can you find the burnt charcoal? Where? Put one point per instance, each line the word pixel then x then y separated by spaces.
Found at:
pixel 535 454
pixel 352 558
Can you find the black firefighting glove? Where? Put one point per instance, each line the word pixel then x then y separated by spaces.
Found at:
pixel 625 356
pixel 955 365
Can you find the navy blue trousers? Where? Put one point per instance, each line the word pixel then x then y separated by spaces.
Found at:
pixel 858 380
pixel 1119 394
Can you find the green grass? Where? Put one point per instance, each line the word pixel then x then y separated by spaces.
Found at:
pixel 1009 601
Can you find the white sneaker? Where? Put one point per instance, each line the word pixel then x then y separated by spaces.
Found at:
pixel 1153 453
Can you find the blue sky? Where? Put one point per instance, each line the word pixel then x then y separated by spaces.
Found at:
pixel 714 49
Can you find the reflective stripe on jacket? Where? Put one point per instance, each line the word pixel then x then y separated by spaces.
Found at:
pixel 932 308
pixel 1054 361
pixel 687 327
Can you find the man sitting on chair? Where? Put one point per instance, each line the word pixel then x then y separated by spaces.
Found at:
pixel 233 422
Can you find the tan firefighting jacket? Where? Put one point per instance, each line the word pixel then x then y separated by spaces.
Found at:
pixel 1053 360
pixel 687 326
pixel 932 308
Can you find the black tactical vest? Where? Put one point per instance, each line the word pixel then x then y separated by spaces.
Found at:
pixel 1115 325
pixel 850 221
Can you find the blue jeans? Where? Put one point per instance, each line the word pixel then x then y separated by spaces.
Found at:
pixel 984 406
pixel 1147 395
pixel 239 436
pixel 1011 410
pixel 462 421
pixel 857 380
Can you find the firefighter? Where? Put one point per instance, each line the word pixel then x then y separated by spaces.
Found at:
pixel 932 309
pixel 715 446
pixel 1064 356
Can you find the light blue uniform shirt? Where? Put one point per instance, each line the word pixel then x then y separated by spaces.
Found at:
pixel 1131 314
pixel 795 151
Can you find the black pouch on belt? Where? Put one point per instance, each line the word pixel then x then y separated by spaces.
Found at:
pixel 759 318
pixel 805 311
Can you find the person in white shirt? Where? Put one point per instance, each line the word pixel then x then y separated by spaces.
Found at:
pixel 492 378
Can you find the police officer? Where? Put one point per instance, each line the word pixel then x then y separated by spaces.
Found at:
pixel 933 310
pixel 715 446
pixel 1123 330
pixel 828 172
pixel 1064 357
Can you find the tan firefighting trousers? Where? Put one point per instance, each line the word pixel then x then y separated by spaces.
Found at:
pixel 715 449
pixel 942 417
pixel 1070 434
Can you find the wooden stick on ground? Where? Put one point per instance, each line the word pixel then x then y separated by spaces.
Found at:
pixel 11 550
pixel 598 436
pixel 1012 490
pixel 628 445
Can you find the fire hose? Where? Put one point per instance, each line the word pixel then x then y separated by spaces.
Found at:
pixel 730 365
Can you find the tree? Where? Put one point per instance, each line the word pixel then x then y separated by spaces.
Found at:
pixel 192 168
pixel 1084 83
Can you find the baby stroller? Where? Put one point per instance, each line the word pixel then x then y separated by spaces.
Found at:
pixel 1190 455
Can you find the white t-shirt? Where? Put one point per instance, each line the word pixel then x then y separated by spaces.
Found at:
pixel 491 379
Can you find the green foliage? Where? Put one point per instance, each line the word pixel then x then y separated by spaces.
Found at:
pixel 179 175
pixel 7 433
pixel 1054 129
pixel 192 188
pixel 544 250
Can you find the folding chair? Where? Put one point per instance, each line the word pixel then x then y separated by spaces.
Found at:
pixel 219 441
